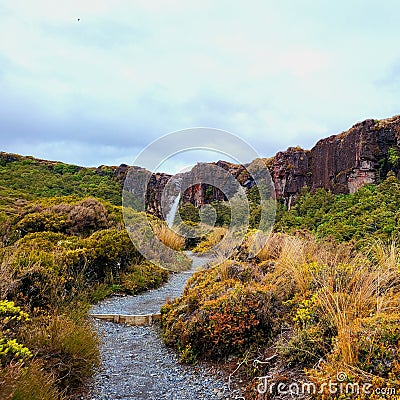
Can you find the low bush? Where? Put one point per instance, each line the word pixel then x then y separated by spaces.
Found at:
pixel 79 217
pixel 220 313
pixel 306 346
pixel 377 346
pixel 48 268
pixel 211 239
pixel 142 277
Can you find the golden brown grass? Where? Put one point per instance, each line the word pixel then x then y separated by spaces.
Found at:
pixel 19 382
pixel 69 349
pixel 347 285
pixel 358 289
pixel 169 237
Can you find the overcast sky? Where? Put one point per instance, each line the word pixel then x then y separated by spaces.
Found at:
pixel 275 73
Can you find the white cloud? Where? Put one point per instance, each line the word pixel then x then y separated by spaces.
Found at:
pixel 277 73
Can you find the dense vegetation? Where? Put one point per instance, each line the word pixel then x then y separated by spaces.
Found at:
pixel 27 177
pixel 321 297
pixel 60 251
pixel 372 210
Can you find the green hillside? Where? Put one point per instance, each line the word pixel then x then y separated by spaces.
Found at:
pixel 63 246
pixel 30 178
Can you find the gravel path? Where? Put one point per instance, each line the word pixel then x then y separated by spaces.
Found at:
pixel 151 301
pixel 135 363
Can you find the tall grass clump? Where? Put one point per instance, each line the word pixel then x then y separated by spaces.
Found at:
pixel 69 348
pixel 170 238
pixel 28 382
pixel 337 296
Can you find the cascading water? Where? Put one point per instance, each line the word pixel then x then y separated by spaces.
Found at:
pixel 172 212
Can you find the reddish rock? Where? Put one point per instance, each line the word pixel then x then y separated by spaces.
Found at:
pixel 341 163
pixel 345 162
pixel 290 173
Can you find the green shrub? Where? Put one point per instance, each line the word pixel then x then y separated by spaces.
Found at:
pixel 50 268
pixel 142 277
pixel 393 156
pixel 306 347
pixel 113 252
pixel 377 342
pixel 189 212
pixel 42 221
pixel 98 292
pixel 372 210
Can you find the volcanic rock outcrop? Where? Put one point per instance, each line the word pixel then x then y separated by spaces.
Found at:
pixel 342 163
pixel 362 155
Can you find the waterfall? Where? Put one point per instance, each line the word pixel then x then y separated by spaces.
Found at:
pixel 172 212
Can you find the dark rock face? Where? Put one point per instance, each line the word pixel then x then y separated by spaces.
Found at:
pixel 120 172
pixel 290 173
pixel 345 162
pixel 341 163
pixel 359 156
pixel 155 189
pixel 208 182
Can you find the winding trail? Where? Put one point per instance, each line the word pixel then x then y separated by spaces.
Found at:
pixel 136 365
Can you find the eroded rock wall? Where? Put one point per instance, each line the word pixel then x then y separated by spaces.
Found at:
pixel 345 162
pixel 342 163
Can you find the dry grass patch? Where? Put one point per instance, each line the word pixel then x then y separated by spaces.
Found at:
pixel 19 382
pixel 69 349
pixel 170 238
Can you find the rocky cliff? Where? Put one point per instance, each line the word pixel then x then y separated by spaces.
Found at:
pixel 342 163
pixel 363 154
pixel 290 172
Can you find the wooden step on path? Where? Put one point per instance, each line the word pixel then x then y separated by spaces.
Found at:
pixel 133 320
